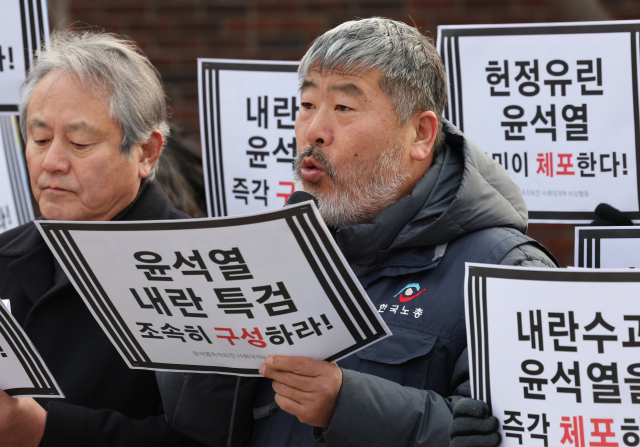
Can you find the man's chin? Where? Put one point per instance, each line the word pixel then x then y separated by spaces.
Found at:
pixel 58 211
pixel 320 189
pixel 305 183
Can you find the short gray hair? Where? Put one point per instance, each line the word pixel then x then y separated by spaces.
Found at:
pixel 100 61
pixel 413 75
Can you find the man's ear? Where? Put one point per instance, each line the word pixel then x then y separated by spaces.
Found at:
pixel 150 153
pixel 426 126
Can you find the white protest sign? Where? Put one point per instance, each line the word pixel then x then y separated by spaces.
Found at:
pixel 15 195
pixel 556 105
pixel 218 295
pixel 22 371
pixel 24 25
pixel 555 353
pixel 607 247
pixel 247 115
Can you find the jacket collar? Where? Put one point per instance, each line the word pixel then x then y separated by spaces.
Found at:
pixel 151 203
pixel 463 191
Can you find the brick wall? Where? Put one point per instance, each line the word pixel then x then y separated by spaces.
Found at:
pixel 174 33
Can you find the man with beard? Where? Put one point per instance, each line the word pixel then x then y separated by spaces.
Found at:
pixel 411 199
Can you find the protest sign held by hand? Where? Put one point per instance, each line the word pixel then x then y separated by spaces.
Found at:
pixel 218 295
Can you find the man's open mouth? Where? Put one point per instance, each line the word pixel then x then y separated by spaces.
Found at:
pixel 310 170
pixel 309 163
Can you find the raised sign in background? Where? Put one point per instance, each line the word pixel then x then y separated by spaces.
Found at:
pixel 24 25
pixel 555 353
pixel 247 115
pixel 607 247
pixel 556 105
pixel 15 195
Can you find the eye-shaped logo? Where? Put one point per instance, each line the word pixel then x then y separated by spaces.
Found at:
pixel 409 292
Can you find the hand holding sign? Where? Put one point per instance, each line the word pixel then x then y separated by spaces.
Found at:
pixel 472 425
pixel 305 388
pixel 22 421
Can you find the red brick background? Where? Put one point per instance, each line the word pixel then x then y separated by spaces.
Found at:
pixel 174 33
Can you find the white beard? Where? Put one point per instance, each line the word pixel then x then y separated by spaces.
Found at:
pixel 361 191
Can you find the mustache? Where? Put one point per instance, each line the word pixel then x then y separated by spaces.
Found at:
pixel 320 159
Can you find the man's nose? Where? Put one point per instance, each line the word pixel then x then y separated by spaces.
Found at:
pixel 56 158
pixel 319 131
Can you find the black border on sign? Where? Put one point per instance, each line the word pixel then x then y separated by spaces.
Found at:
pixel 14 168
pixel 479 334
pixel 449 54
pixel 478 326
pixel 215 187
pixel 303 223
pixel 590 235
pixel 43 383
pixel 32 24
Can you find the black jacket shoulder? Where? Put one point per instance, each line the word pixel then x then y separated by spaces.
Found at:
pixel 10 240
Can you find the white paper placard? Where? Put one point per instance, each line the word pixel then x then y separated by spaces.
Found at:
pixel 247 116
pixel 607 247
pixel 23 373
pixel 218 295
pixel 24 25
pixel 15 195
pixel 556 105
pixel 555 353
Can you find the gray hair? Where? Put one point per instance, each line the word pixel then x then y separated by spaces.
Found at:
pixel 413 75
pixel 101 61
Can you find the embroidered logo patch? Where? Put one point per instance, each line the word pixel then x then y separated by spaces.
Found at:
pixel 409 292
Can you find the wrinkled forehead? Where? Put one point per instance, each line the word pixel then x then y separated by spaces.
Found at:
pixel 352 70
pixel 62 99
pixel 91 86
pixel 353 82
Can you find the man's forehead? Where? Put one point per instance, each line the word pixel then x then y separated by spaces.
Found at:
pixel 78 125
pixel 57 80
pixel 354 82
pixel 62 98
pixel 74 125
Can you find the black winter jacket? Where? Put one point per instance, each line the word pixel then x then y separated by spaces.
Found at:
pixel 106 404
